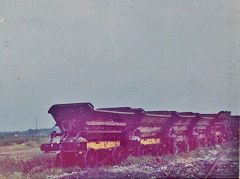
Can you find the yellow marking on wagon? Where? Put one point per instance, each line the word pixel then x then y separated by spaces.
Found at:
pixel 218 133
pixel 150 141
pixel 103 144
pixel 106 123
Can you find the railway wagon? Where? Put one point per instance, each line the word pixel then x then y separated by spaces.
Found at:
pixel 177 130
pixel 216 127
pixel 181 132
pixel 157 125
pixel 90 137
pixel 86 134
pixel 234 127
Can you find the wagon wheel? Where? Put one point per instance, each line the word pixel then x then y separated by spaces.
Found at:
pixel 58 161
pixel 142 150
pixel 103 157
pixel 61 160
pixel 208 141
pixel 155 150
pixel 90 158
pixel 175 148
pixel 118 154
pixel 187 147
pixel 214 140
pixel 159 150
pixel 204 142
pixel 198 144
pixel 219 139
pixel 137 151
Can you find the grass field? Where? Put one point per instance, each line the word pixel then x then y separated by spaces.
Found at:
pixel 20 157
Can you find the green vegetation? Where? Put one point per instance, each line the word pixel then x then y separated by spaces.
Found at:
pixel 29 140
pixel 29 137
pixel 30 132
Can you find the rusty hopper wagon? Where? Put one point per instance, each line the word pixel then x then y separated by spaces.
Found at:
pixel 90 137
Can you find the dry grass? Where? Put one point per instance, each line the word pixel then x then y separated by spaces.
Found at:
pixel 23 159
pixel 28 140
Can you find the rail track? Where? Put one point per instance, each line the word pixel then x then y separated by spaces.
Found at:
pixel 225 165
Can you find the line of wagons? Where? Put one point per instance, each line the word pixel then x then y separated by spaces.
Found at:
pixel 89 137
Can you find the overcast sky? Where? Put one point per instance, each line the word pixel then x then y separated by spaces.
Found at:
pixel 159 55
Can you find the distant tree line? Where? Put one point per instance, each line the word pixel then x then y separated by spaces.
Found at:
pixel 29 132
